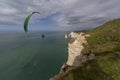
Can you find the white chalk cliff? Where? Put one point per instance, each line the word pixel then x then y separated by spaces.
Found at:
pixel 75 47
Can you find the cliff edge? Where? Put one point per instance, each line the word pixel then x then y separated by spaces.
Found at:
pixel 93 55
pixel 75 47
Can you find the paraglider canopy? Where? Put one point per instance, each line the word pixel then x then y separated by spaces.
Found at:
pixel 27 21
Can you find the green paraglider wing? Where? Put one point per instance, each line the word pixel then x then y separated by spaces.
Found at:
pixel 27 20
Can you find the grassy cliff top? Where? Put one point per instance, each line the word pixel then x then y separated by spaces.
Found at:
pixel 105 38
pixel 104 42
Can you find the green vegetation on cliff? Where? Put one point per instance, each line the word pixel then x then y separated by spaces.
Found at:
pixel 105 67
pixel 105 38
pixel 104 42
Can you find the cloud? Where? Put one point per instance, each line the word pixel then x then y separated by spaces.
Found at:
pixel 70 13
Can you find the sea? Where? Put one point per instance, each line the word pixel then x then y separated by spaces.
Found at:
pixel 28 56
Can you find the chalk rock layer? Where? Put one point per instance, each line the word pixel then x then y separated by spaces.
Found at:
pixel 75 46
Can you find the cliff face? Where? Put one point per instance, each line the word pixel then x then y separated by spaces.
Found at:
pixel 75 46
pixel 93 55
pixel 75 56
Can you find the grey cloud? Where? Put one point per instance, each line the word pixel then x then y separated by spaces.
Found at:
pixel 72 13
pixel 91 13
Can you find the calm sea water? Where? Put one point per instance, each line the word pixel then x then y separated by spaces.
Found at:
pixel 29 57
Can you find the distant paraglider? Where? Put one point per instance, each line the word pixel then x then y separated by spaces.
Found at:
pixel 43 36
pixel 27 21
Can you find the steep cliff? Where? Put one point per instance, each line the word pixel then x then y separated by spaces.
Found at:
pixel 93 55
pixel 75 46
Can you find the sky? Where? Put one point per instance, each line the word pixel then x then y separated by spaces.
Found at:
pixel 57 14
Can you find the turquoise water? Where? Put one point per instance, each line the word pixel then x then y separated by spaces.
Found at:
pixel 29 57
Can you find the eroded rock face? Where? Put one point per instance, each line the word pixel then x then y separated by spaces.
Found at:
pixel 104 43
pixel 75 46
